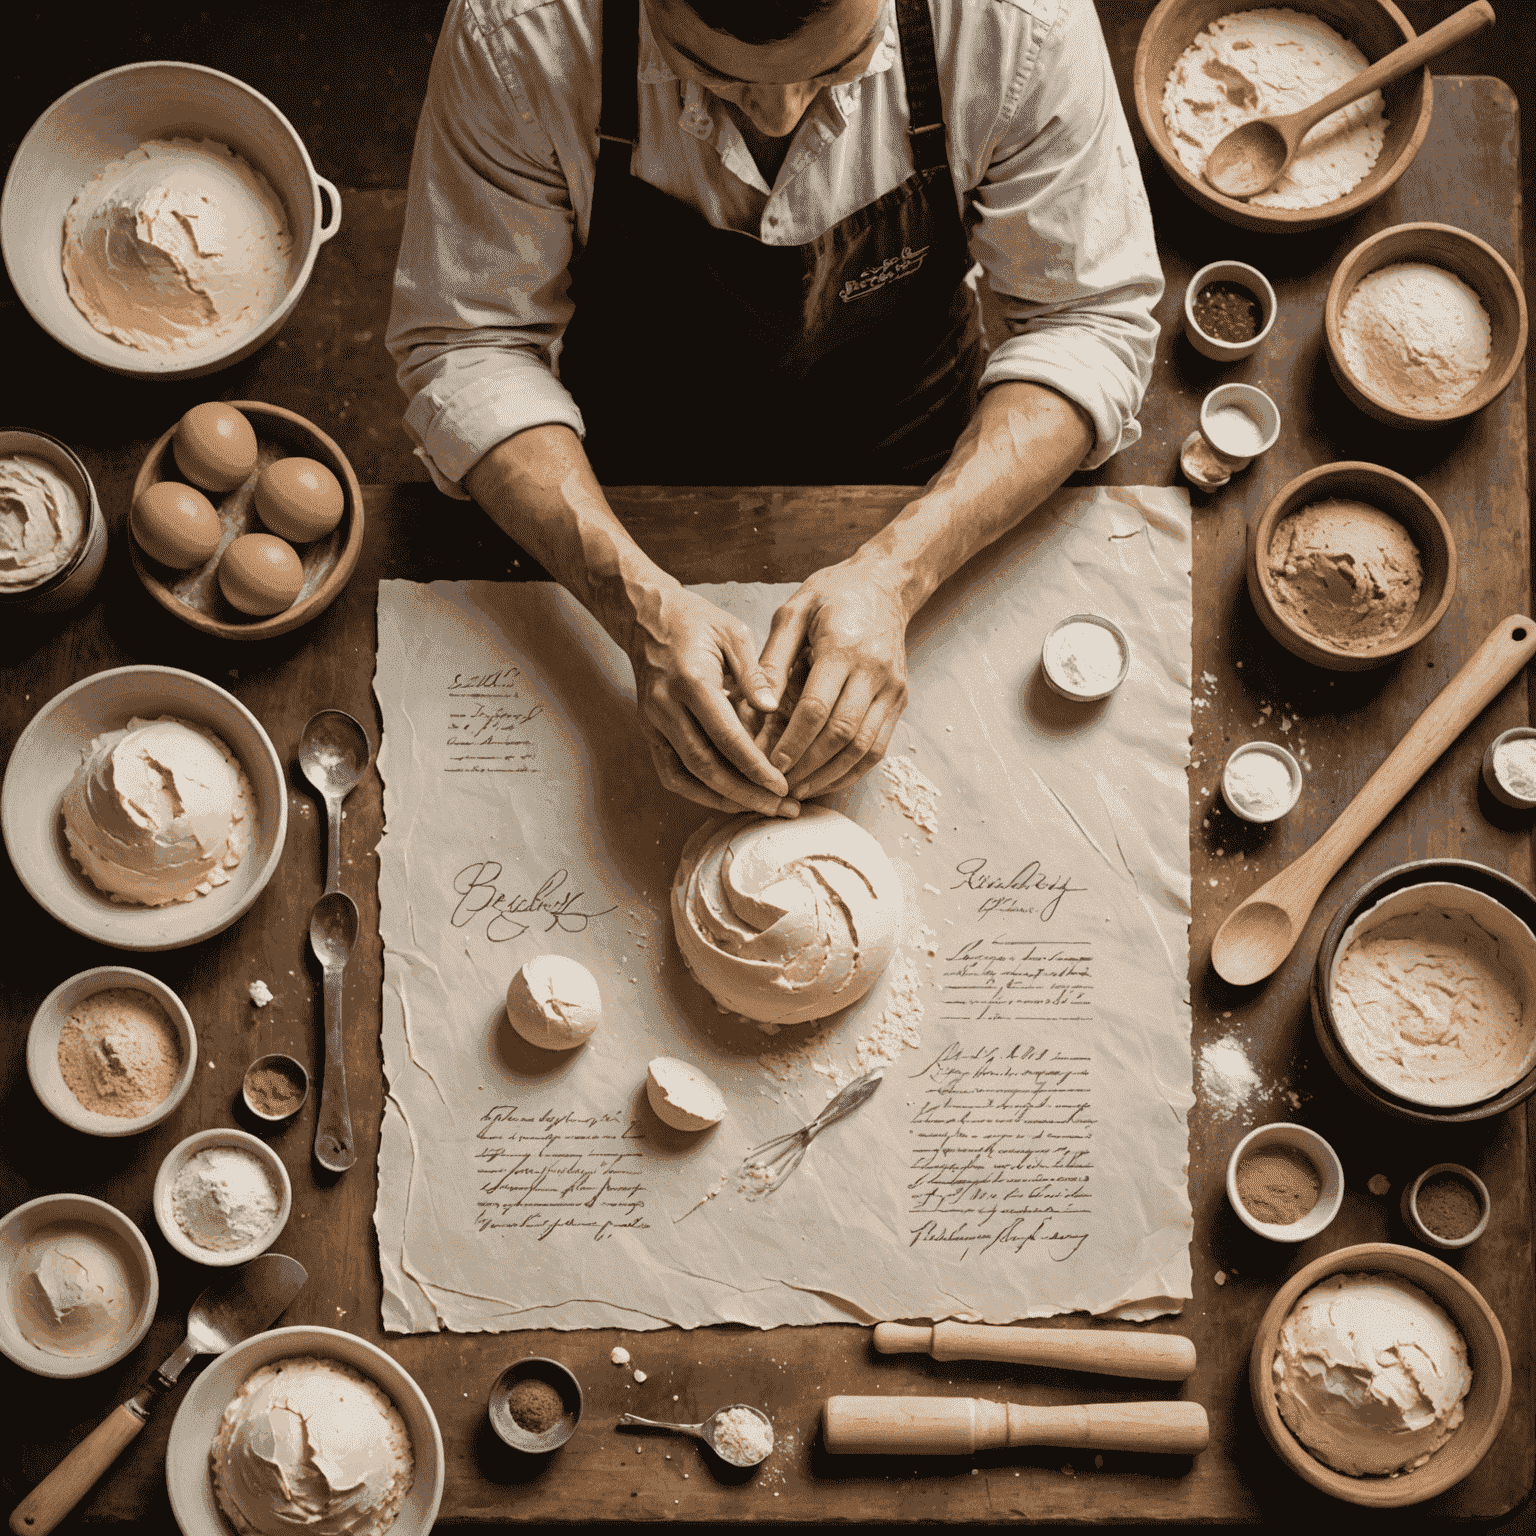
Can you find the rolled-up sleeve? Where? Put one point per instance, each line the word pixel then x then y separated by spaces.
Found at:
pixel 1061 226
pixel 481 284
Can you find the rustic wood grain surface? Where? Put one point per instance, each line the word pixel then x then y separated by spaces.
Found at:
pixel 1246 687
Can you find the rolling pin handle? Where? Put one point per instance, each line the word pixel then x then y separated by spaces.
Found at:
pixel 900 1339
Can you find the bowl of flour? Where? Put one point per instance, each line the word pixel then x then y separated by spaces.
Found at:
pixel 221 1197
pixel 1204 67
pixel 1425 324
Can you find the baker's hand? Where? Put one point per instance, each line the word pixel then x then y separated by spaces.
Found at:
pixel 691 659
pixel 852 625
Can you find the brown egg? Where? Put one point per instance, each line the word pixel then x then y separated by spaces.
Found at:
pixel 215 446
pixel 299 498
pixel 260 574
pixel 175 525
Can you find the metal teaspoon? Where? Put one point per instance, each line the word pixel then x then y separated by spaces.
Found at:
pixel 332 933
pixel 709 1430
pixel 334 754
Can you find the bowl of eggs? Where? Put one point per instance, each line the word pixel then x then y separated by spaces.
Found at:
pixel 247 520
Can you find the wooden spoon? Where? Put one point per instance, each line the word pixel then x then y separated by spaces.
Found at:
pixel 1254 156
pixel 1263 928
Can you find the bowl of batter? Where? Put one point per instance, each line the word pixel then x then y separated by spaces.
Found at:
pixel 1350 566
pixel 1424 992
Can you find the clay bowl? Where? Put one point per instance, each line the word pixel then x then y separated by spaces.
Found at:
pixel 1480 267
pixel 1394 494
pixel 1478 877
pixel 1485 1404
pixel 194 596
pixel 1375 27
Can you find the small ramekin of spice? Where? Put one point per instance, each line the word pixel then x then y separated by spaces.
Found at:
pixel 1285 1182
pixel 535 1404
pixel 1447 1206
pixel 1229 310
pixel 1509 768
pixel 275 1087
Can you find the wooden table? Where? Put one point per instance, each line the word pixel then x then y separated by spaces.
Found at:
pixel 1245 687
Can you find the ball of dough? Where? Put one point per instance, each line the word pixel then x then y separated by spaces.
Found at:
pixel 682 1096
pixel 785 921
pixel 554 1003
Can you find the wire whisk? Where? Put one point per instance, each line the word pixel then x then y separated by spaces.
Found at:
pixel 764 1174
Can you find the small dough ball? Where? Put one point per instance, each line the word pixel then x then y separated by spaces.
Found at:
pixel 214 446
pixel 260 574
pixel 175 525
pixel 554 1003
pixel 300 499
pixel 682 1096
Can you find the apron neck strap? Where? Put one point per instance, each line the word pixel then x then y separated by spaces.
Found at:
pixel 619 116
pixel 925 110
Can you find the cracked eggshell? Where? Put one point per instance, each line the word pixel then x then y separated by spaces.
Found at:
pixel 554 1003
pixel 786 921
pixel 682 1096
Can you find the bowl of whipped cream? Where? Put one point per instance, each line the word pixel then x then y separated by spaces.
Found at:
pixel 145 808
pixel 1380 1375
pixel 162 219
pixel 1424 992
pixel 1205 67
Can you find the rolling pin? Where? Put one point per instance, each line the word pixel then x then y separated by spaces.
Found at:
pixel 1156 1356
pixel 957 1426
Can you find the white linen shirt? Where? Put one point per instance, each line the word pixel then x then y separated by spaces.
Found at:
pixel 504 170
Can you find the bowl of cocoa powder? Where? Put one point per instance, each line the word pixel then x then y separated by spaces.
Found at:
pixel 1285 1182
pixel 1447 1206
pixel 275 1087
pixel 111 1051
pixel 1229 310
pixel 535 1404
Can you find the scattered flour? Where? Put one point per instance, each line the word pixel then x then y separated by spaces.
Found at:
pixel 1227 1078
pixel 911 792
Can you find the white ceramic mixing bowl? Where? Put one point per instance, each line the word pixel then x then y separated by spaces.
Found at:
pixel 101 120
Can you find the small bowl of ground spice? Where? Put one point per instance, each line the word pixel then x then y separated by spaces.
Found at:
pixel 535 1404
pixel 1509 768
pixel 1447 1206
pixel 1285 1182
pixel 275 1087
pixel 111 1051
pixel 1229 310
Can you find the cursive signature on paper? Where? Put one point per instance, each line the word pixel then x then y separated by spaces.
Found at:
pixel 481 897
pixel 1012 892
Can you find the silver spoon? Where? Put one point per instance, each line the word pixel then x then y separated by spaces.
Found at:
pixel 334 754
pixel 332 933
pixel 709 1431
pixel 1254 155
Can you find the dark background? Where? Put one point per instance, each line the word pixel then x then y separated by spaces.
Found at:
pixel 351 76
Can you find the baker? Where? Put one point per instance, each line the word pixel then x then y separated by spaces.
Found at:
pixel 736 242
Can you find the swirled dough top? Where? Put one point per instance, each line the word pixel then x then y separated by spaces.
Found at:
pixel 785 921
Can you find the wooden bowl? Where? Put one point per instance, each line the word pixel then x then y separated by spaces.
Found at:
pixel 1485 1404
pixel 1375 27
pixel 1478 877
pixel 1394 494
pixel 194 596
pixel 1479 266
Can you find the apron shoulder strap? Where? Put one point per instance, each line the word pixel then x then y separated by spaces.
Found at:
pixel 619 116
pixel 925 109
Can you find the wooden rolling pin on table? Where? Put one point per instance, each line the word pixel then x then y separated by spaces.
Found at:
pixel 1156 1356
pixel 957 1426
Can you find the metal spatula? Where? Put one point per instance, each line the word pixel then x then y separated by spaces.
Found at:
pixel 246 1301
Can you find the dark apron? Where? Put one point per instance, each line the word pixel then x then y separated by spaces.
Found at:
pixel 702 356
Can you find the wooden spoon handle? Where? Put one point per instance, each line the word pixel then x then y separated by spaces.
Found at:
pixel 71 1480
pixel 1508 647
pixel 1401 61
pixel 1156 1356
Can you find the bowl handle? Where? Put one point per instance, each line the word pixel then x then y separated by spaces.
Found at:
pixel 330 223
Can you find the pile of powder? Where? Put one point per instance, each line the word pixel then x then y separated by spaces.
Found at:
pixel 535 1405
pixel 912 792
pixel 1448 1206
pixel 1258 784
pixel 1415 335
pixel 224 1199
pixel 119 1053
pixel 1084 658
pixel 742 1437
pixel 1227 1078
pixel 1514 765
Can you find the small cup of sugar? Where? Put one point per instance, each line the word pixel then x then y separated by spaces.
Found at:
pixel 1085 657
pixel 1509 768
pixel 1261 782
pixel 1239 422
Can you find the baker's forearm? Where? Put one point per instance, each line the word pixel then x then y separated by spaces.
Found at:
pixel 1023 441
pixel 539 489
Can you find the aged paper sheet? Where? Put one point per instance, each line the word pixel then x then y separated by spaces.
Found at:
pixel 1026 1153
